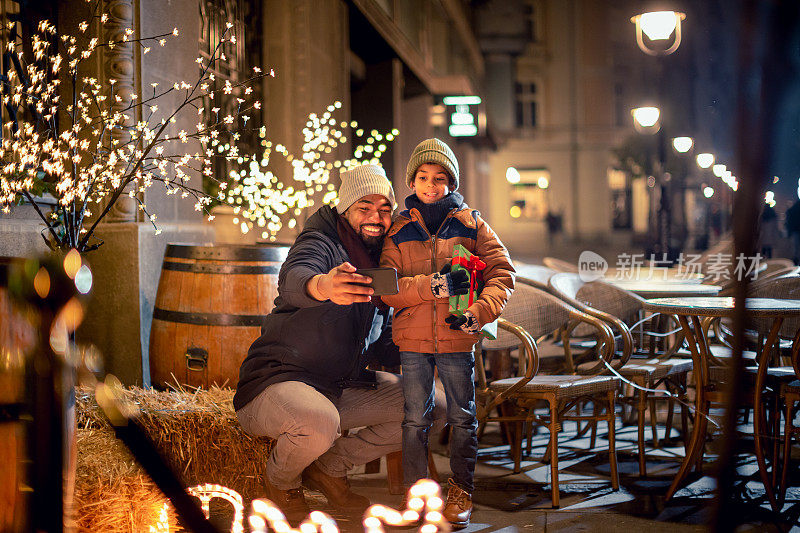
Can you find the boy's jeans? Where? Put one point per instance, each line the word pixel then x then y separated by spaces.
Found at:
pixel 456 373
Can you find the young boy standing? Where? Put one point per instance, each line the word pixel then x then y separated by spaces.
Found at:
pixel 420 246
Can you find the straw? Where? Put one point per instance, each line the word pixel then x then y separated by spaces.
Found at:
pixel 196 431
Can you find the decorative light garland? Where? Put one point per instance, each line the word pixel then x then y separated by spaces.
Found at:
pixel 424 505
pixel 209 491
pixel 263 200
pixel 266 516
pixel 162 525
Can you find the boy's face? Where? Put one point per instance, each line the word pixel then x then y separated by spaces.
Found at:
pixel 431 183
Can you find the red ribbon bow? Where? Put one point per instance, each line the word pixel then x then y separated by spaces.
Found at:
pixel 474 265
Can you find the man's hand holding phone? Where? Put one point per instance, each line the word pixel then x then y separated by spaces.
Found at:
pixel 342 285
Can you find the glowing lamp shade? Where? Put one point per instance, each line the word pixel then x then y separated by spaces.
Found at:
pixel 646 117
pixel 705 160
pixel 512 175
pixel 659 25
pixel 682 144
pixel 542 182
pixel 718 170
pixel 708 192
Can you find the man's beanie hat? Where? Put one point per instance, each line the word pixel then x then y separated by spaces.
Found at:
pixel 433 151
pixel 361 181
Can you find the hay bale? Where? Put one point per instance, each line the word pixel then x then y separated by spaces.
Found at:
pixel 112 493
pixel 197 433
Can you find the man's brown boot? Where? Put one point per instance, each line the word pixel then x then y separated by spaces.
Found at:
pixel 291 502
pixel 458 507
pixel 336 490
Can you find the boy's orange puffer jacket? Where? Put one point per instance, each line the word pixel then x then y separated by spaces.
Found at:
pixel 418 324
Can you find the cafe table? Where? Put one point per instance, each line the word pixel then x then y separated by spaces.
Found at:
pixel 656 275
pixel 665 289
pixel 690 311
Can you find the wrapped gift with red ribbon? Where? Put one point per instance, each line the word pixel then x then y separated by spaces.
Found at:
pixel 463 259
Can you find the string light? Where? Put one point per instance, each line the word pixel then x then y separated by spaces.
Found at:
pixel 424 505
pixel 267 202
pixel 424 502
pixel 266 516
pixel 162 525
pixel 104 151
pixel 209 491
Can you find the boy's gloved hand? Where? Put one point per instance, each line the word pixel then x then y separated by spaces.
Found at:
pixel 447 283
pixel 466 323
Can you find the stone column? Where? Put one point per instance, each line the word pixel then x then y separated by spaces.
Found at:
pixel 118 64
pixel 128 265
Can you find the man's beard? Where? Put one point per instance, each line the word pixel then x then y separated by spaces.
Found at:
pixel 372 242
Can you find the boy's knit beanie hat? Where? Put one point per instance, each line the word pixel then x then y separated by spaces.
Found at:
pixel 361 181
pixel 433 151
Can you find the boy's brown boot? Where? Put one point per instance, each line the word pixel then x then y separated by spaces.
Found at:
pixel 336 490
pixel 458 507
pixel 292 503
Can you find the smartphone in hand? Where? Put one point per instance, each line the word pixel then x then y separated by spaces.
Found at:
pixel 384 279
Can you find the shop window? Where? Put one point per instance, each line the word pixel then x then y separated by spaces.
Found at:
pixel 529 198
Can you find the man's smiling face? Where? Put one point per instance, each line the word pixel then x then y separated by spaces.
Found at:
pixel 370 217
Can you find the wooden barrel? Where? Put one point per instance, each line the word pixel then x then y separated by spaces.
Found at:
pixel 16 337
pixel 209 308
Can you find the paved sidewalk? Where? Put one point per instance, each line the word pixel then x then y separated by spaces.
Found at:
pixel 521 502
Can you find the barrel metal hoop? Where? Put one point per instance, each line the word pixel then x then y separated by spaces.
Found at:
pixel 227 253
pixel 208 319
pixel 207 268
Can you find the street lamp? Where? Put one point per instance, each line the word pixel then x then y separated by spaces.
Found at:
pixel 682 144
pixel 512 175
pixel 645 118
pixel 658 26
pixel 655 31
pixel 705 160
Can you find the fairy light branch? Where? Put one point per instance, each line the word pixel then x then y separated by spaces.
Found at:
pixel 104 149
pixel 265 201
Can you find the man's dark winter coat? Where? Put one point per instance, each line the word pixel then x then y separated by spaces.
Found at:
pixel 322 344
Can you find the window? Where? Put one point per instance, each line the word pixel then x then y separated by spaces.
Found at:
pixel 527 103
pixel 529 195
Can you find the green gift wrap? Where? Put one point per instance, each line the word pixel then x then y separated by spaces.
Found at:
pixel 463 259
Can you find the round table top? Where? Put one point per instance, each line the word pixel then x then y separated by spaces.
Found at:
pixel 644 274
pixel 722 306
pixel 666 289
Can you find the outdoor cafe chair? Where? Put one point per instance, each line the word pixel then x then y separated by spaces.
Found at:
pixel 775 268
pixel 529 313
pixel 791 396
pixel 781 385
pixel 617 306
pixel 536 275
pixel 784 286
pixel 559 265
